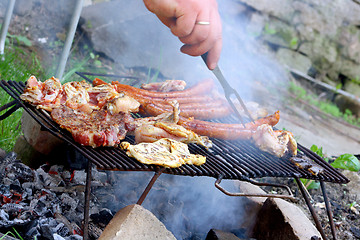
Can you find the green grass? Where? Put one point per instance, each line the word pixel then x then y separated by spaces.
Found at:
pixel 326 107
pixel 17 65
pixel 20 63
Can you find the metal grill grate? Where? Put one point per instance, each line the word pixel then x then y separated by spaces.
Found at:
pixel 240 159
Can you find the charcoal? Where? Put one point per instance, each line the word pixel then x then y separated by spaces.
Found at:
pixel 102 218
pixel 46 232
pixel 13 208
pixel 31 229
pixel 62 230
pixel 66 175
pixel 10 157
pixel 99 176
pixel 26 215
pixel 4 216
pixel 50 180
pixel 74 237
pixel 79 177
pixel 94 231
pixel 20 171
pixel 33 233
pixel 16 187
pixel 39 208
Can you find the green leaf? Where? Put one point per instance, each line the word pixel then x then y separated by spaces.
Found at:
pixel 348 162
pixel 24 40
pixel 317 150
pixel 310 184
pixel 294 42
pixel 97 63
pixel 269 30
pixel 339 86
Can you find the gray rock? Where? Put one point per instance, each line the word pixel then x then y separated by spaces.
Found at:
pixel 344 102
pixel 129 34
pixel 354 183
pixel 353 88
pixel 135 222
pixel 279 219
pixel 293 59
pixel 23 7
pixel 279 8
pixel 2 153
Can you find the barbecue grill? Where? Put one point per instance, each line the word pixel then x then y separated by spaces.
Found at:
pixel 236 160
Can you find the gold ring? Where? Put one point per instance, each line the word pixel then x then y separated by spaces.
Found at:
pixel 203 23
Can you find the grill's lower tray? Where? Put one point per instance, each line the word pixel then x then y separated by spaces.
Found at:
pixel 227 159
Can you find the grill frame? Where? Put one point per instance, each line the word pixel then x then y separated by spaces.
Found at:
pixel 237 160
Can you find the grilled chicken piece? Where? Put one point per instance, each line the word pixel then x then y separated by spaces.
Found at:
pixel 158 130
pixel 77 95
pixel 45 95
pixel 167 86
pixel 165 126
pixel 275 142
pixel 164 152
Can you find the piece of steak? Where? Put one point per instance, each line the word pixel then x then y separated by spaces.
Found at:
pixel 99 128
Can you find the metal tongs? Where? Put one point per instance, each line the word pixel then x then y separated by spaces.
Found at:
pixel 228 90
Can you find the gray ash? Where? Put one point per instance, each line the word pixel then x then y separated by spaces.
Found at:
pixel 46 203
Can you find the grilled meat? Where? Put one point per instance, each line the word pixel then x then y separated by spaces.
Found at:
pixel 77 95
pixel 275 142
pixel 164 152
pixel 167 86
pixel 306 163
pixel 99 128
pixel 165 126
pixel 45 95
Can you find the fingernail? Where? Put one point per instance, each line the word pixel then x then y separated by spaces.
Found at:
pixel 211 66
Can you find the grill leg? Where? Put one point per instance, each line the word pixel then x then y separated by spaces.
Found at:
pixel 5 26
pixel 148 187
pixel 312 210
pixel 69 39
pixel 87 201
pixel 328 209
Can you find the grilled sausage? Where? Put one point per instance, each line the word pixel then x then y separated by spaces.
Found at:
pixel 211 110
pixel 201 88
pixel 219 130
pixel 137 94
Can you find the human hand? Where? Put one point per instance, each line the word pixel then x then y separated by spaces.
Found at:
pixel 195 22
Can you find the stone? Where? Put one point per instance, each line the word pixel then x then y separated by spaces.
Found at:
pixel 270 216
pixel 345 102
pixel 294 60
pixel 27 153
pixel 353 88
pixel 23 7
pixel 42 141
pixel 2 153
pixel 280 219
pixel 215 234
pixel 135 222
pixel 354 183
pixel 280 8
pixel 279 33
pixel 129 34
pixel 252 205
